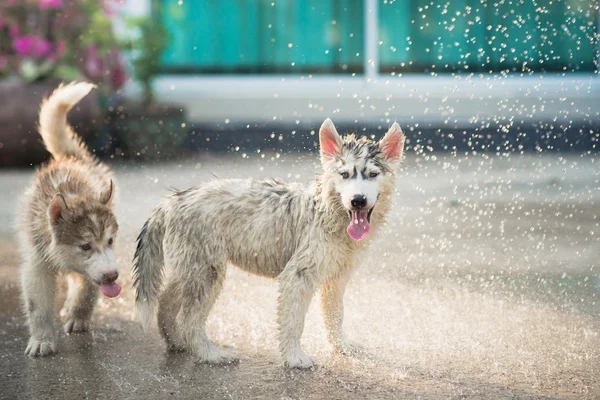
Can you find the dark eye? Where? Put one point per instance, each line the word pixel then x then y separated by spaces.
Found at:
pixel 110 241
pixel 345 175
pixel 85 247
pixel 373 174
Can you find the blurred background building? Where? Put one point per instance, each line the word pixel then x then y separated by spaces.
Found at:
pixel 174 75
pixel 464 63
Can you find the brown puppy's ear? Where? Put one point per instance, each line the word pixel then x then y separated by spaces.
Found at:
pixel 107 196
pixel 57 208
pixel 392 144
pixel 330 140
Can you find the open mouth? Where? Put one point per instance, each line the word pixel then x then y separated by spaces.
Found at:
pixel 110 289
pixel 360 223
pixel 350 213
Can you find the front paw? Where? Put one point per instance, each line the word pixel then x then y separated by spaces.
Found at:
pixel 220 357
pixel 298 359
pixel 40 347
pixel 75 325
pixel 349 348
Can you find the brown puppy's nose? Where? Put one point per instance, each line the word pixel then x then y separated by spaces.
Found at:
pixel 110 276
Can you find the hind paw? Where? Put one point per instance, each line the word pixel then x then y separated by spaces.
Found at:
pixel 75 325
pixel 350 349
pixel 211 354
pixel 175 348
pixel 220 357
pixel 301 361
pixel 40 347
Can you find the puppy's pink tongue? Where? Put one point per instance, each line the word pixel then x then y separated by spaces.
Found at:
pixel 110 289
pixel 359 225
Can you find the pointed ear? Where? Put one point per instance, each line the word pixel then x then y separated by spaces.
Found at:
pixel 57 208
pixel 392 144
pixel 330 140
pixel 107 196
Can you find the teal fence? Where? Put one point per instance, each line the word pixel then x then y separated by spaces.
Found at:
pixel 327 36
pixel 484 36
pixel 255 36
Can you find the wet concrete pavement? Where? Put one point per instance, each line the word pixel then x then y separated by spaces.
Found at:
pixel 484 284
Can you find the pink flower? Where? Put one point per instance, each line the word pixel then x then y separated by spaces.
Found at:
pixel 23 45
pixel 92 64
pixel 107 7
pixel 41 48
pixel 48 4
pixel 2 22
pixel 34 46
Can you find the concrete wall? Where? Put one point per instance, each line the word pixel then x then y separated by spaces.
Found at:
pixel 441 100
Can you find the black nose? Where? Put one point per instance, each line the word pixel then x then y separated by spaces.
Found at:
pixel 110 276
pixel 359 201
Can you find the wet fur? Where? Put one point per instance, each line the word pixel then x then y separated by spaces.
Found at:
pixel 287 231
pixel 69 202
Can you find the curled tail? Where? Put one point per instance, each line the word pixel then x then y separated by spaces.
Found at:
pixel 59 138
pixel 148 264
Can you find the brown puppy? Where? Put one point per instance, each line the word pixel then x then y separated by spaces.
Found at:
pixel 67 225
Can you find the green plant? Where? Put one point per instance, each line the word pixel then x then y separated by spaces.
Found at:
pixel 147 44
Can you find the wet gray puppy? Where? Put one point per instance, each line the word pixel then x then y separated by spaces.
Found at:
pixel 308 237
